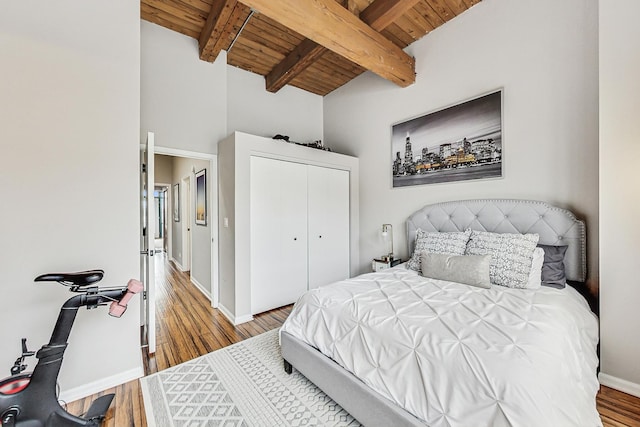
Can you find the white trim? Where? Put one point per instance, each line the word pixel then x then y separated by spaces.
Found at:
pixel 619 384
pixel 201 288
pixel 101 385
pixel 184 153
pixel 234 320
pixel 175 261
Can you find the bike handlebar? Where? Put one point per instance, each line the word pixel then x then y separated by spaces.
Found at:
pixel 118 308
pixel 118 297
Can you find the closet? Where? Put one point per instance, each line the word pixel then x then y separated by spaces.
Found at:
pixel 288 222
pixel 299 230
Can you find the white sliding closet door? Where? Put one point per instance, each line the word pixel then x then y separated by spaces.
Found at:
pixel 278 233
pixel 328 201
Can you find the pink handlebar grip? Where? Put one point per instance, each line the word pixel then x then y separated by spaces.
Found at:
pixel 118 308
pixel 134 286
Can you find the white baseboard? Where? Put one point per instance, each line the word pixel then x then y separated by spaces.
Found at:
pixel 234 320
pixel 619 384
pixel 201 288
pixel 243 319
pixel 177 264
pixel 101 385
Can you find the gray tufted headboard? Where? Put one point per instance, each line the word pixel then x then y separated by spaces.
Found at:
pixel 556 226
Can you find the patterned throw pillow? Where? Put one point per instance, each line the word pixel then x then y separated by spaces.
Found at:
pixel 448 243
pixel 535 275
pixel 511 255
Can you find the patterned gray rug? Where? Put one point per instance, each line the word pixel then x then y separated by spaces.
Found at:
pixel 240 385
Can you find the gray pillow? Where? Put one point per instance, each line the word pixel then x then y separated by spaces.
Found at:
pixel 553 274
pixel 511 255
pixel 467 269
pixel 450 243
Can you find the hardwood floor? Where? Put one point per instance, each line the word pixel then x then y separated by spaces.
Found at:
pixel 618 409
pixel 187 327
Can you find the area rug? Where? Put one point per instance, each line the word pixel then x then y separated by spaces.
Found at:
pixel 240 385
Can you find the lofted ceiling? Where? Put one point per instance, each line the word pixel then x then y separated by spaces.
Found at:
pixel 315 45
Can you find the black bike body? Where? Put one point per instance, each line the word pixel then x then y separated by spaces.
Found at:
pixel 29 399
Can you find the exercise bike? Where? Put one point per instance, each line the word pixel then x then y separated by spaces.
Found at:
pixel 30 399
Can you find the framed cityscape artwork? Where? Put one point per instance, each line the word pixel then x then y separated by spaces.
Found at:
pixel 457 143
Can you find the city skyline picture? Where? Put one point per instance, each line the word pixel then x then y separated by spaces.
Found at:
pixel 458 143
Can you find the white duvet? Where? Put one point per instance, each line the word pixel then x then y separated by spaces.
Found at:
pixel 456 355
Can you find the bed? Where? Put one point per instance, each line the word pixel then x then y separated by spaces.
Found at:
pixel 394 348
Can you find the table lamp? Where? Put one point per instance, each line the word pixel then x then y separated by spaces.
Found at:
pixel 387 236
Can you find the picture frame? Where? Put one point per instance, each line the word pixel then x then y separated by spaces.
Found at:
pixel 176 202
pixel 457 143
pixel 201 197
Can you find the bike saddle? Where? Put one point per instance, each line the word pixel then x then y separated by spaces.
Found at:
pixel 77 279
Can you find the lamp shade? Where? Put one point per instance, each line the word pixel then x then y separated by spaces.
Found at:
pixel 387 236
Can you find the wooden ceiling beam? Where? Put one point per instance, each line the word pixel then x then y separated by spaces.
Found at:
pixel 305 54
pixel 351 6
pixel 382 13
pixel 213 31
pixel 378 15
pixel 328 24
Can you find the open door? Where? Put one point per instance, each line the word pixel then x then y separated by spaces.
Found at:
pixel 147 245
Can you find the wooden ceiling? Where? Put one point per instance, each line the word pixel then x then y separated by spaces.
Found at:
pixel 315 45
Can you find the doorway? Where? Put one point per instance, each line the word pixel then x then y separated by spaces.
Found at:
pixel 161 199
pixel 190 248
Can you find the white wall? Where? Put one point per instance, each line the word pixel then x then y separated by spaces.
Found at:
pixel 191 104
pixel 227 238
pixel 183 99
pixel 547 64
pixel 163 170
pixel 69 178
pixel 619 194
pixel 290 111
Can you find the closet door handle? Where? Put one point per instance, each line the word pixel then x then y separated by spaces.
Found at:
pixel 320 236
pixel 295 238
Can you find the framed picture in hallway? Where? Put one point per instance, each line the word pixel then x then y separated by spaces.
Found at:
pixel 201 197
pixel 457 143
pixel 176 202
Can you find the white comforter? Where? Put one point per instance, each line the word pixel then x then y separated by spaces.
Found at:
pixel 456 355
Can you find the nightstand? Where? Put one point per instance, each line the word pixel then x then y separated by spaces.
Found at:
pixel 381 264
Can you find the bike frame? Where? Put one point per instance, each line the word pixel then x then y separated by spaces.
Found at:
pixel 36 404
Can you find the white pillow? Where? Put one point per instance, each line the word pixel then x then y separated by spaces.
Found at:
pixel 449 243
pixel 535 275
pixel 511 255
pixel 466 269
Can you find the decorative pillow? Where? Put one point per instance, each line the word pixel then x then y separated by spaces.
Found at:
pixel 553 268
pixel 535 276
pixel 511 255
pixel 467 269
pixel 449 243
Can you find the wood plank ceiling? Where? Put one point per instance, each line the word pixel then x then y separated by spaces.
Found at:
pixel 315 45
